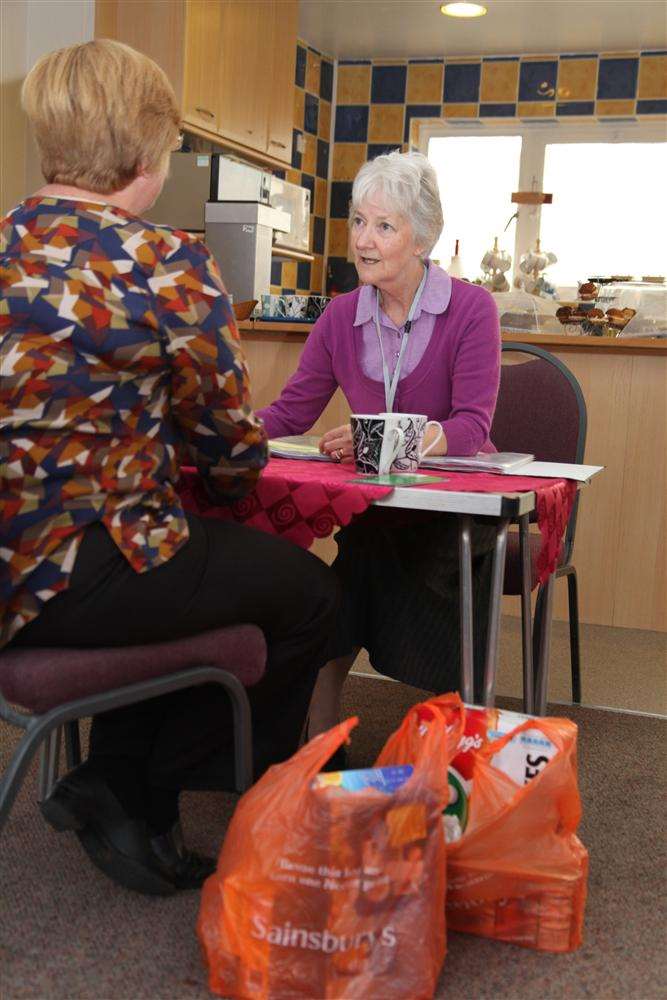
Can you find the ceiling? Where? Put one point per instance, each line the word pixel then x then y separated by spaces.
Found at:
pixel 401 29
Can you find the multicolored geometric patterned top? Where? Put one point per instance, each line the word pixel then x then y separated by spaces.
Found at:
pixel 119 360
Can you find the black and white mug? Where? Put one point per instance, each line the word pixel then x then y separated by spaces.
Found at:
pixel 376 441
pixel 412 451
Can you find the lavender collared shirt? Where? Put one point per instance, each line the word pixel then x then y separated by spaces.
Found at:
pixel 434 300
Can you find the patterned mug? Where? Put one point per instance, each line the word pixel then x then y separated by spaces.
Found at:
pixel 411 452
pixel 376 441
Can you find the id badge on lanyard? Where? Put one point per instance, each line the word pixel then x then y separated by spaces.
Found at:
pixel 391 384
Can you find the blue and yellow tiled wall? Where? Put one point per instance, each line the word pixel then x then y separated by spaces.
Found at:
pixel 380 104
pixel 313 101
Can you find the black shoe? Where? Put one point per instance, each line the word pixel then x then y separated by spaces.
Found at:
pixel 184 869
pixel 116 844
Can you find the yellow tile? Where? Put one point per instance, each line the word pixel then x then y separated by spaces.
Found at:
pixel 320 200
pixel 313 68
pixel 289 274
pixel 460 110
pixel 536 109
pixel 324 120
pixel 354 85
pixel 614 108
pixel 338 237
pixel 424 83
pixel 577 79
pixel 275 289
pixel 500 81
pixel 309 157
pixel 347 158
pixel 316 274
pixel 293 176
pixel 652 77
pixel 385 123
pixel 299 102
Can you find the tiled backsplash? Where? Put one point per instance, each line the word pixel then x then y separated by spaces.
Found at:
pixel 313 94
pixel 379 104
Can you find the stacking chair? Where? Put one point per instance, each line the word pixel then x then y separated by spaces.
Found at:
pixel 60 686
pixel 541 410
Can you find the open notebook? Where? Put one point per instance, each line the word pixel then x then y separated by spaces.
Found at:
pixel 298 446
pixel 498 461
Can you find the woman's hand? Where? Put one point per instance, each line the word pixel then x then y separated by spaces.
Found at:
pixel 338 443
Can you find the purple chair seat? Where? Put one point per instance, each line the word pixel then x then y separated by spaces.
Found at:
pixel 40 679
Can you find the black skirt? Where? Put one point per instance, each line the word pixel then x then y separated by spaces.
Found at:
pixel 400 577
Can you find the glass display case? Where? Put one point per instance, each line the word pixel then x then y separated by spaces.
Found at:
pixel 647 299
pixel 521 312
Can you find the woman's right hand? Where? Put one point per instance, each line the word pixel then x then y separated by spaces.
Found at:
pixel 338 443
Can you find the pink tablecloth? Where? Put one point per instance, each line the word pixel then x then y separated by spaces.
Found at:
pixel 306 500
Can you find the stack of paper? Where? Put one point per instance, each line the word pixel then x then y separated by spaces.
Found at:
pixel 298 446
pixel 498 461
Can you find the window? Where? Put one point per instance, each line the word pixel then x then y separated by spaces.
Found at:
pixel 475 173
pixel 609 210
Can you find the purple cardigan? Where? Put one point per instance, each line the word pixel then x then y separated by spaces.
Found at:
pixel 455 382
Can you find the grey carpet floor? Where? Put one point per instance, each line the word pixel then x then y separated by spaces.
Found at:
pixel 67 932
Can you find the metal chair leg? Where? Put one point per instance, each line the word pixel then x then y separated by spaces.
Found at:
pixel 575 649
pixel 543 637
pixel 50 759
pixel 526 615
pixel 466 608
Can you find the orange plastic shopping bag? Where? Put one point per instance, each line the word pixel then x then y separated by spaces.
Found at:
pixel 322 892
pixel 516 870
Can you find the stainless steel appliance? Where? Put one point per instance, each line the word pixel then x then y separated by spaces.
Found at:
pixel 239 234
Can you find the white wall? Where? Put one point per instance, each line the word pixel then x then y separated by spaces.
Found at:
pixel 29 29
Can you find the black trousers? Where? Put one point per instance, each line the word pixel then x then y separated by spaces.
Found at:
pixel 225 574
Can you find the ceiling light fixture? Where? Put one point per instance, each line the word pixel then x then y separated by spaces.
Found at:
pixel 463 9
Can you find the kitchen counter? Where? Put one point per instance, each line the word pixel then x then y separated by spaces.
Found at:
pixel 266 330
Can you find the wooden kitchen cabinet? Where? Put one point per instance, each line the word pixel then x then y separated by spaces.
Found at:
pixel 231 63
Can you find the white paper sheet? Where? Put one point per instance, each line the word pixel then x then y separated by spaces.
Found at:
pixel 558 470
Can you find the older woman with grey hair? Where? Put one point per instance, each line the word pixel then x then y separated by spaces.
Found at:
pixel 411 339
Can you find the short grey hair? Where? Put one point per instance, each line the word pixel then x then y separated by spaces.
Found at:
pixel 410 185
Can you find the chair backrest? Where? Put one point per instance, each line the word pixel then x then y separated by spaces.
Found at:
pixel 541 410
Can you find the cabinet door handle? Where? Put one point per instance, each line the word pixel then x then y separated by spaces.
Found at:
pixel 205 111
pixel 249 131
pixel 274 142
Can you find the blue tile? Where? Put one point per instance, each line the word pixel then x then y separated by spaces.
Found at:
pixel 462 83
pixel 388 84
pixel 322 168
pixel 326 80
pixel 380 148
pixel 415 62
pixel 279 173
pixel 308 181
pixel 296 155
pixel 418 111
pixel 354 62
pixel 497 110
pixel 341 192
pixel 289 291
pixel 537 80
pixel 341 276
pixel 318 234
pixel 351 123
pixel 652 107
pixel 311 111
pixel 501 59
pixel 303 274
pixel 575 108
pixel 655 52
pixel 276 272
pixel 300 71
pixel 579 55
pixel 617 79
